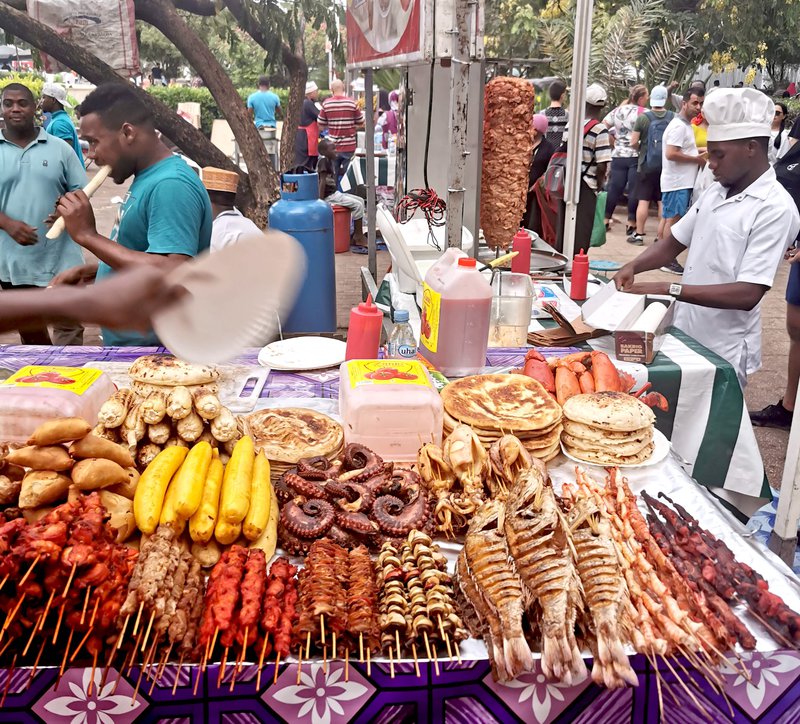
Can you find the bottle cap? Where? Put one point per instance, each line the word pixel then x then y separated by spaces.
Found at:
pixel 522 235
pixel 401 315
pixel 368 306
pixel 468 261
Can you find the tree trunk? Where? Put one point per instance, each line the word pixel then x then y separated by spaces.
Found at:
pixel 298 74
pixel 264 183
pixel 188 138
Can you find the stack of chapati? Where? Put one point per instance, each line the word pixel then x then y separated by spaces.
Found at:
pixel 290 434
pixel 496 405
pixel 608 428
pixel 162 372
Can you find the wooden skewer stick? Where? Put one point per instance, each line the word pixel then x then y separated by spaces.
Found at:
pixel 435 662
pixel 240 662
pixel 3 582
pixel 277 668
pixel 391 663
pixel 58 623
pixel 416 661
pixel 28 572
pixel 64 660
pixel 713 680
pixel 777 635
pixel 322 628
pixel 299 664
pixel 211 647
pixel 132 657
pixel 164 660
pixel 222 667
pixel 178 674
pixel 118 643
pixel 5 646
pixel 80 645
pixel 658 687
pixel 361 647
pixel 85 603
pixel 36 663
pixel 107 668
pixel 141 673
pixel 261 662
pixel 69 580
pixel 91 676
pixel 347 665
pixel 13 613
pixel 138 618
pixel 427 645
pixel 397 643
pixel 369 663
pixel 308 645
pixel 46 610
pixel 127 662
pixel 157 676
pixel 34 631
pixel 324 659
pixel 200 670
pixel 149 629
pixel 688 691
pixel 449 647
pixel 9 674
pixel 334 652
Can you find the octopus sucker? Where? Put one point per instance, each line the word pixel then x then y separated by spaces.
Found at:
pixel 396 518
pixel 311 520
pixel 301 486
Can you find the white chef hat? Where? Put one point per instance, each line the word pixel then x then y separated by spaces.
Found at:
pixel 736 113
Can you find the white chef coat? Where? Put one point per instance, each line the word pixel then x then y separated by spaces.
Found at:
pixel 229 227
pixel 737 239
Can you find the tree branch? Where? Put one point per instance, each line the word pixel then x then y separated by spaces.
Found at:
pixel 188 138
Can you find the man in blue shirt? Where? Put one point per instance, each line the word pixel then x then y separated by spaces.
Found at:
pixel 35 169
pixel 264 104
pixel 166 216
pixel 60 125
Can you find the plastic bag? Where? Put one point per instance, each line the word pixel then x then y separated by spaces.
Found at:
pixel 599 227
pixel 105 28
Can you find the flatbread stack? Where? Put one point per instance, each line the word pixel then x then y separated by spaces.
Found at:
pixel 290 434
pixel 496 405
pixel 159 372
pixel 608 428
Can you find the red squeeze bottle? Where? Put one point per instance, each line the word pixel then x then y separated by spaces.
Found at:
pixel 580 275
pixel 364 332
pixel 521 263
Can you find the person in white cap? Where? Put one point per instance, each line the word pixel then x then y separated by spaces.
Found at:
pixel 596 155
pixel 307 137
pixel 736 233
pixel 54 101
pixel 229 224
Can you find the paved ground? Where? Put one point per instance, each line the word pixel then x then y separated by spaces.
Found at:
pixel 765 387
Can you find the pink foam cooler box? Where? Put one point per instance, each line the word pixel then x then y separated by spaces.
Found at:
pixel 390 405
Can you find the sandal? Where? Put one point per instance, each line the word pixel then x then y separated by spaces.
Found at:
pixel 358 249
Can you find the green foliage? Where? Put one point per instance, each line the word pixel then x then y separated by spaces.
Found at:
pixel 512 28
pixel 209 110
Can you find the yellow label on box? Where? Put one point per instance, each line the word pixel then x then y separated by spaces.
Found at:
pixel 72 379
pixel 431 315
pixel 386 372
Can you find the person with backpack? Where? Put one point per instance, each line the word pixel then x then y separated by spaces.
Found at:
pixel 646 138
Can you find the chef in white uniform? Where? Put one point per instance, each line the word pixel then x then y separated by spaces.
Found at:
pixel 737 233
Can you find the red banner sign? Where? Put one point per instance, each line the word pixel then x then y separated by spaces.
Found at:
pixel 383 33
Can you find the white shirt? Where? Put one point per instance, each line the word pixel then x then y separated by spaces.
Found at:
pixel 676 175
pixel 775 154
pixel 737 239
pixel 229 227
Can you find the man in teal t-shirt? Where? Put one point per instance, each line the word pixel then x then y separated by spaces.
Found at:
pixel 264 104
pixel 166 216
pixel 54 101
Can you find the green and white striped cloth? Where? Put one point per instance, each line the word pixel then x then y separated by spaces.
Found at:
pixel 707 422
pixel 357 171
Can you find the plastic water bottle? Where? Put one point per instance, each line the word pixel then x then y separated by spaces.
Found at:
pixel 392 148
pixel 378 137
pixel 402 343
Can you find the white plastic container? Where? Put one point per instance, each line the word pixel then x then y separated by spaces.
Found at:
pixel 456 309
pixel 34 395
pixel 389 405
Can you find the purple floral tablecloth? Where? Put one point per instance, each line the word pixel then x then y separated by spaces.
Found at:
pixel 459 694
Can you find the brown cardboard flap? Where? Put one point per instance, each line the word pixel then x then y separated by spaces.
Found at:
pixel 566 334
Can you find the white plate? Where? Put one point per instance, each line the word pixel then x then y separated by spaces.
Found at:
pixel 661 448
pixel 303 353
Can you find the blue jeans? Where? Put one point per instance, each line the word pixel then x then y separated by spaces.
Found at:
pixel 622 179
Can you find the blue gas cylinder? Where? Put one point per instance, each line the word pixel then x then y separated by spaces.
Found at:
pixel 302 214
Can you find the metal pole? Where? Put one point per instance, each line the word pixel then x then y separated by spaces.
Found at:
pixel 783 540
pixel 580 74
pixel 459 86
pixel 369 115
pixel 475 224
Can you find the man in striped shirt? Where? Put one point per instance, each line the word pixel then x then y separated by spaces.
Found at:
pixel 341 117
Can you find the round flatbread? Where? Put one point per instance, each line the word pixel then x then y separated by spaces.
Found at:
pixel 291 433
pixel 609 411
pixel 605 458
pixel 631 447
pixel 501 402
pixel 598 434
pixel 165 369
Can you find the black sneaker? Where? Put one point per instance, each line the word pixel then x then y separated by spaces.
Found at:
pixel 629 230
pixel 635 239
pixel 673 268
pixel 772 416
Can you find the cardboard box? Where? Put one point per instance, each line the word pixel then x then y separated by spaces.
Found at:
pixel 616 312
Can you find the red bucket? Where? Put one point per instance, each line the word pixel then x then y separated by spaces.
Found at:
pixel 341 228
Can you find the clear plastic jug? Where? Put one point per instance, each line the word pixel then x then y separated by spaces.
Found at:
pixel 456 307
pixel 511 310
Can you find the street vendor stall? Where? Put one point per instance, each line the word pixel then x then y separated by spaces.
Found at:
pixel 758 683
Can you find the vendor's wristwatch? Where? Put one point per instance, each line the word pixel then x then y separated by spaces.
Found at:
pixel 675 290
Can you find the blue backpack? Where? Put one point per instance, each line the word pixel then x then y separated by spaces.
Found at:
pixel 655 145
